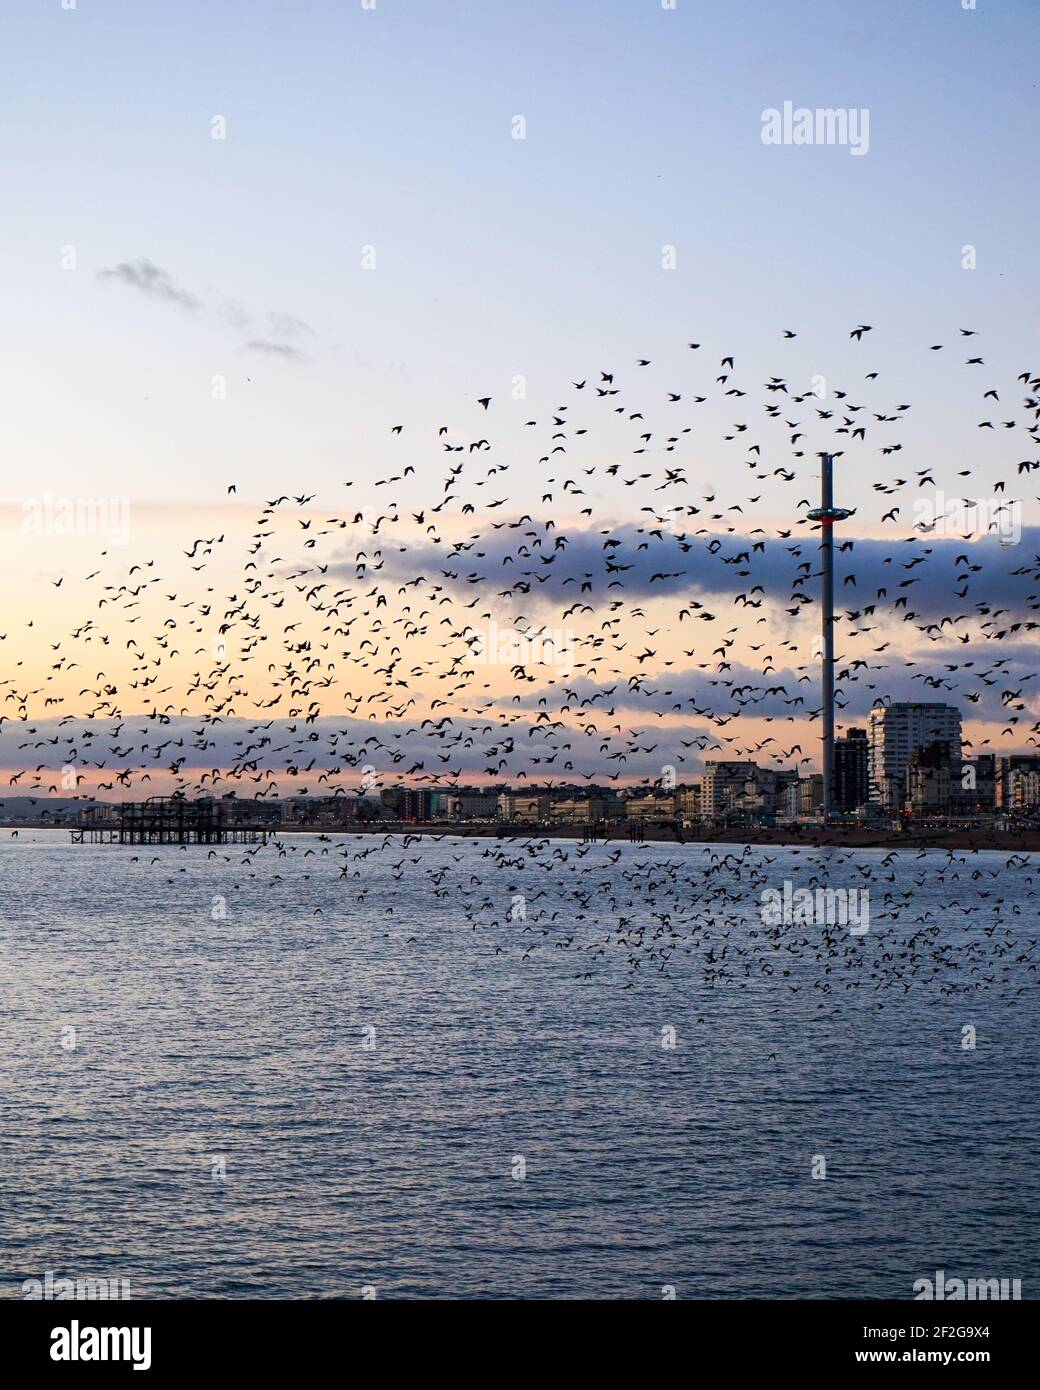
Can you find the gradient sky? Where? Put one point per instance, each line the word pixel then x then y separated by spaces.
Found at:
pixel 391 128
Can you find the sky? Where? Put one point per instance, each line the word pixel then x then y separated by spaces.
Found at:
pixel 368 243
pixel 392 128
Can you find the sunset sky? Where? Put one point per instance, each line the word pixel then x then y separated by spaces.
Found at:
pixel 368 245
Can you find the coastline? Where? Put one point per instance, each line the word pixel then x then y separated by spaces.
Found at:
pixel 1026 841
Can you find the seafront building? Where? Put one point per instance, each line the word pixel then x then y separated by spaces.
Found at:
pixel 851 771
pixel 652 807
pixel 478 805
pixel 1024 795
pixel 894 733
pixel 929 778
pixel 722 786
pixel 1011 779
pixel 524 806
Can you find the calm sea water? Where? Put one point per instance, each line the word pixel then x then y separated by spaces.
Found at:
pixel 510 1039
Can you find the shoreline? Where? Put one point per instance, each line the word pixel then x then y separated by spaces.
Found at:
pixel 930 837
pixel 1027 841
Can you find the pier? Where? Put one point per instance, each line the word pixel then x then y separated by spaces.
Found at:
pixel 166 820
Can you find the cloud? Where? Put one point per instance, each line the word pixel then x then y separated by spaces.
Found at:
pixel 151 280
pixel 548 567
pixel 286 350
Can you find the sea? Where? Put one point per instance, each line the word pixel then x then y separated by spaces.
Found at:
pixel 440 1068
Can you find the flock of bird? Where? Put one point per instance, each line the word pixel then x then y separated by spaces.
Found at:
pixel 948 924
pixel 339 647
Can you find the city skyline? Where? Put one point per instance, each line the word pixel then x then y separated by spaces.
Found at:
pixel 906 762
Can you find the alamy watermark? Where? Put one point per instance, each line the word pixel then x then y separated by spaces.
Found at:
pixel 77 516
pixel 799 125
pixel 509 646
pixel 969 518
pixel 943 1289
pixel 79 1342
pixel 830 907
pixel 56 1288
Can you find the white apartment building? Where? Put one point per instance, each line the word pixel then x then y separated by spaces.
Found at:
pixel 896 731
